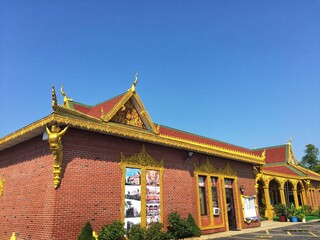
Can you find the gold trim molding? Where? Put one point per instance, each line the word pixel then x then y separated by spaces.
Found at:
pixel 142 158
pixel 208 168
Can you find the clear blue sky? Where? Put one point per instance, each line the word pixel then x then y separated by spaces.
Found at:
pixel 243 72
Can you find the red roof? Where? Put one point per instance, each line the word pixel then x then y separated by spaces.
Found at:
pixel 199 139
pixel 95 111
pixel 276 154
pixel 285 169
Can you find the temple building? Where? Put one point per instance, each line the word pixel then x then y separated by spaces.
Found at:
pixel 112 162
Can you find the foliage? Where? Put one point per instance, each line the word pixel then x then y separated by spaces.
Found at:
pixel 292 211
pixel 136 232
pixel 195 229
pixel 280 209
pixel 178 228
pixel 154 232
pixel 114 231
pixel 86 233
pixel 311 160
pixel 301 213
pixel 307 209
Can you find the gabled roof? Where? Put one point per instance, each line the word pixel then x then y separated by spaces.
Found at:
pixel 280 160
pixel 126 116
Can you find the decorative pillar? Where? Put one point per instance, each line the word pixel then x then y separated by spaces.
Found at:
pixel 282 196
pixel 295 196
pixel 268 205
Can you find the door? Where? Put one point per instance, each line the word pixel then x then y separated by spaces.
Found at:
pixel 230 209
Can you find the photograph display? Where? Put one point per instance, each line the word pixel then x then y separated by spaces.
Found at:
pixel 132 197
pixel 153 196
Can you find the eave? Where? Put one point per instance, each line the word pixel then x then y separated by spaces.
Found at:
pixel 115 129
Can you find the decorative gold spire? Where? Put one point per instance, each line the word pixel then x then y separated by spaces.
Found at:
pixel 290 141
pixel 134 84
pixel 66 100
pixel 54 98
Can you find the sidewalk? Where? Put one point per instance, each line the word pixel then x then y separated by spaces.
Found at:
pixel 264 226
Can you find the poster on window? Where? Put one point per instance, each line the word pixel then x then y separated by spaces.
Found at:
pixel 249 208
pixel 153 196
pixel 132 197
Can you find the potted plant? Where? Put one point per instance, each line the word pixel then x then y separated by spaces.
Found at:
pixel 292 211
pixel 301 214
pixel 281 211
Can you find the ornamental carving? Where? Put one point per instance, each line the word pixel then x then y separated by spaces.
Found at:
pixel 207 167
pixel 54 137
pixel 141 158
pixel 129 115
pixel 1 186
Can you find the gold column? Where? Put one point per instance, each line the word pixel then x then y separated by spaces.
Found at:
pixel 268 205
pixel 282 196
pixel 295 196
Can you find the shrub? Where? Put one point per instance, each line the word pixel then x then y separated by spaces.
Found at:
pixel 280 209
pixel 114 231
pixel 86 233
pixel 136 232
pixel 154 232
pixel 307 209
pixel 178 228
pixel 195 229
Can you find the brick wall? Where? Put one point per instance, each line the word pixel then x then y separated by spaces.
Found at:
pixel 90 188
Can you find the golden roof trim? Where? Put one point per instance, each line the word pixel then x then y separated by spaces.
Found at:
pixel 137 134
pixel 221 151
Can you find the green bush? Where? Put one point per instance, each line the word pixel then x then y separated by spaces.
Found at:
pixel 195 229
pixel 280 209
pixel 154 232
pixel 178 228
pixel 86 233
pixel 306 209
pixel 114 231
pixel 136 232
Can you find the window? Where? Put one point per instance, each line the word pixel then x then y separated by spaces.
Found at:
pixel 202 195
pixel 215 202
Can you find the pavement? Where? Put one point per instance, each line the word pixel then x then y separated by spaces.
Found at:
pixel 265 225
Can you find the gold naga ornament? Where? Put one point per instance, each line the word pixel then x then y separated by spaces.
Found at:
pixel 55 134
pixel 54 137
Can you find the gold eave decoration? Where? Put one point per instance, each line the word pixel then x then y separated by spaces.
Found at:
pixel 55 142
pixel 141 159
pixel 1 186
pixel 208 168
pixel 127 132
pixel 218 151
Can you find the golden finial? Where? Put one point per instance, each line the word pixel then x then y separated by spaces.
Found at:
pixel 133 87
pixel 54 98
pixel 66 100
pixel 263 154
pixel 290 141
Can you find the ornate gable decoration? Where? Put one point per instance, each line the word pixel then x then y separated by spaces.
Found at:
pixel 141 158
pixel 207 167
pixel 129 115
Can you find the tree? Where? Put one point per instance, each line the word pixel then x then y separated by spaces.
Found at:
pixel 311 160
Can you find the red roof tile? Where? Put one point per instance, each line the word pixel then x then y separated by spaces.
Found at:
pixel 199 139
pixel 276 154
pixel 280 169
pixel 95 111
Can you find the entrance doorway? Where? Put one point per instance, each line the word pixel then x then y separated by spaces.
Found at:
pixel 230 204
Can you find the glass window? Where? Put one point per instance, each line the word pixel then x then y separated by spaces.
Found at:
pixel 215 202
pixel 202 194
